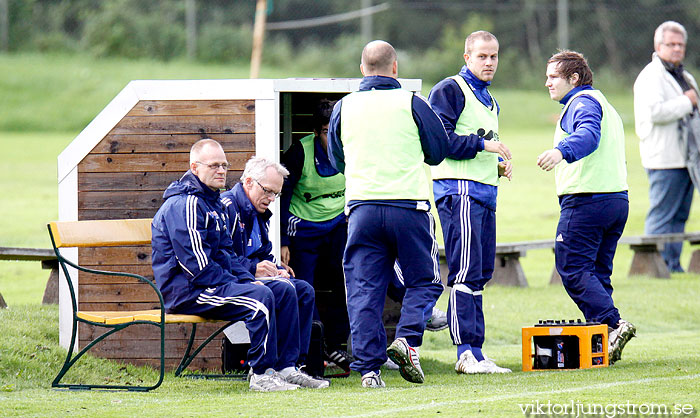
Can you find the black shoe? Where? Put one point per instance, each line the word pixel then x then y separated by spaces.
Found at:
pixel 340 358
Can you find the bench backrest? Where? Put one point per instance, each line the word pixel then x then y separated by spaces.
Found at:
pixel 102 233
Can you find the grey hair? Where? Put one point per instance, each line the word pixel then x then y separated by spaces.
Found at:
pixel 196 149
pixel 669 26
pixel 256 168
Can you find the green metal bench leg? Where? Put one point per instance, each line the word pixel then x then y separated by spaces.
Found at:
pixel 72 359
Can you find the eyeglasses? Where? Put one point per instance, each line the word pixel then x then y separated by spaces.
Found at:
pixel 215 166
pixel 674 45
pixel 269 193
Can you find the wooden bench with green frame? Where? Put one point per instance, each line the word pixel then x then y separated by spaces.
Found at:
pixel 106 233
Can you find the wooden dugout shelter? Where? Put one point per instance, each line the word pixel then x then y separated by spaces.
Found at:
pixel 120 164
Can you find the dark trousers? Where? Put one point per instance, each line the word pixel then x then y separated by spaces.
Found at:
pixel 251 303
pixel 584 248
pixel 319 261
pixel 378 235
pixel 469 231
pixel 670 197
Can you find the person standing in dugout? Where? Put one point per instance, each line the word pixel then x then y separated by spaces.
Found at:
pixel 314 228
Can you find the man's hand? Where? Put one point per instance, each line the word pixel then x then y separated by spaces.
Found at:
pixel 284 254
pixel 287 270
pixel 693 96
pixel 497 147
pixel 505 169
pixel 266 268
pixel 548 159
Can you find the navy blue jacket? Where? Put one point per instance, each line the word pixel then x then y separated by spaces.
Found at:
pixel 582 121
pixel 241 216
pixel 447 99
pixel 191 245
pixel 433 137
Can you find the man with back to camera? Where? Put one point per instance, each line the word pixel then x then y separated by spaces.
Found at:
pixel 194 271
pixel 665 98
pixel 246 205
pixel 379 137
pixel 314 232
pixel 590 173
pixel 465 187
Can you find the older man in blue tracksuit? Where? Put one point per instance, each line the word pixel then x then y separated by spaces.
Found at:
pixel 247 208
pixel 194 271
pixel 379 138
pixel 465 187
pixel 591 179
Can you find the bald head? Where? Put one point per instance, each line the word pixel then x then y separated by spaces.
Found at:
pixel 379 58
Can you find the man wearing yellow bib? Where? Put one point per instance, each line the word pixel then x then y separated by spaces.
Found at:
pixel 380 137
pixel 590 172
pixel 314 228
pixel 465 187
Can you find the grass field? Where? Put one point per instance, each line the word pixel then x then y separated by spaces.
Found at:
pixel 43 110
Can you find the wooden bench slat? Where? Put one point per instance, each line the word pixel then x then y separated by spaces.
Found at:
pixel 153 315
pixel 102 233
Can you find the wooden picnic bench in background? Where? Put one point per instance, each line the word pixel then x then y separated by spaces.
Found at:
pixel 125 236
pixel 48 260
pixel 647 260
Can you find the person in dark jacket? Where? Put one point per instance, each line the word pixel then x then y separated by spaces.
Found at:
pixel 379 137
pixel 314 228
pixel 194 269
pixel 246 206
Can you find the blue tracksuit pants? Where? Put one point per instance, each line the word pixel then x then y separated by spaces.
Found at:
pixel 584 248
pixel 378 235
pixel 251 303
pixel 294 308
pixel 469 231
pixel 319 261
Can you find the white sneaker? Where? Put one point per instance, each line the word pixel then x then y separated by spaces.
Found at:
pixel 437 321
pixel 298 377
pixel 270 381
pixel 390 365
pixel 372 380
pixel 468 364
pixel 492 367
pixel 618 338
pixel 406 357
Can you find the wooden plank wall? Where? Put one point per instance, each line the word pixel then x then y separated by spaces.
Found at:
pixel 124 177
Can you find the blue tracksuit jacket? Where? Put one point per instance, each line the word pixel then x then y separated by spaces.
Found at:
pixel 191 246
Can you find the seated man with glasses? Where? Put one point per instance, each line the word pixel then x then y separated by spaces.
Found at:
pixel 196 273
pixel 248 216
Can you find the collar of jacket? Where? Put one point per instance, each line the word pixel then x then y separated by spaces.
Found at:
pixel 379 82
pixel 473 80
pixel 247 210
pixel 564 100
